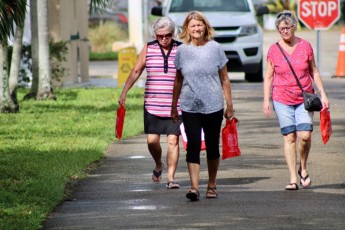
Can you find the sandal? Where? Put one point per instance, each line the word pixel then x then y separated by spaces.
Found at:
pixel 157 175
pixel 193 194
pixel 293 187
pixel 303 179
pixel 172 185
pixel 211 192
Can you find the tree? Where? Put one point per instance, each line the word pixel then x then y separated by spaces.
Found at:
pixel 14 11
pixel 15 64
pixel 11 12
pixel 45 88
pixel 34 51
pixel 98 5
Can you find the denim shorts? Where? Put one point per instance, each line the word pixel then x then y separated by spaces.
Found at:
pixel 293 118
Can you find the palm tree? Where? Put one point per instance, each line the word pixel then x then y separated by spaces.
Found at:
pixel 14 11
pixel 98 5
pixel 15 64
pixel 34 51
pixel 11 11
pixel 45 87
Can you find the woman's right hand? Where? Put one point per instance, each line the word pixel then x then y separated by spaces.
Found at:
pixel 122 99
pixel 266 108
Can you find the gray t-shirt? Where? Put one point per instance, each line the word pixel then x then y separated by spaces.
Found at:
pixel 201 88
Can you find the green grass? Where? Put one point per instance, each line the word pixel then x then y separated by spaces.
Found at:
pixel 51 143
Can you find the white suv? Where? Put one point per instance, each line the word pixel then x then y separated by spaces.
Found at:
pixel 236 27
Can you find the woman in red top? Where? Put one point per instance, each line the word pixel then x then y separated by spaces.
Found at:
pixel 295 122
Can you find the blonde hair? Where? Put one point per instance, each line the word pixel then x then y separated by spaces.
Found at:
pixel 196 15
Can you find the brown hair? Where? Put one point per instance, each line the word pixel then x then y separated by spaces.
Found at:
pixel 196 15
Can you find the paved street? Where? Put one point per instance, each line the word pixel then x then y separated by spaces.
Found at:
pixel 119 193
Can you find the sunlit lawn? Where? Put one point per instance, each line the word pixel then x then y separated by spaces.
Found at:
pixel 50 143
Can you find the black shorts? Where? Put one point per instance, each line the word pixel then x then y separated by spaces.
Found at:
pixel 160 125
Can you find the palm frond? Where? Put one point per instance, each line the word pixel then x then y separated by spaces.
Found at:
pixel 97 5
pixel 11 11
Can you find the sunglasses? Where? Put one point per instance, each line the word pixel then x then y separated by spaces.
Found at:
pixel 282 29
pixel 161 36
pixel 284 14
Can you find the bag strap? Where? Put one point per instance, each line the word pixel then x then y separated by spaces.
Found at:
pixel 294 74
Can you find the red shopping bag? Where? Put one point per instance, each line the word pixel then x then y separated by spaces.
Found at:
pixel 120 119
pixel 230 139
pixel 325 125
pixel 184 138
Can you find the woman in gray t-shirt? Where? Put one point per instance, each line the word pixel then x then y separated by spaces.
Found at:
pixel 202 83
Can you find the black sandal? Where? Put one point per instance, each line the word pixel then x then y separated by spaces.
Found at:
pixel 193 194
pixel 295 187
pixel 304 179
pixel 157 175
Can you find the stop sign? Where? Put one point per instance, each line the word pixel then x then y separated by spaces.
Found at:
pixel 318 14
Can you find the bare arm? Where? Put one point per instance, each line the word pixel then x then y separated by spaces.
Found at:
pixel 318 82
pixel 176 95
pixel 134 75
pixel 268 79
pixel 225 81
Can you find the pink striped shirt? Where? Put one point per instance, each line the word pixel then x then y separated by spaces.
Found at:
pixel 160 80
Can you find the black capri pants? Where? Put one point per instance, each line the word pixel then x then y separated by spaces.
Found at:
pixel 194 123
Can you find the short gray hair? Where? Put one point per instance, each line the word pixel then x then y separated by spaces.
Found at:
pixel 284 16
pixel 164 22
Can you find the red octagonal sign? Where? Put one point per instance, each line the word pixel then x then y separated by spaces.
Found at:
pixel 318 14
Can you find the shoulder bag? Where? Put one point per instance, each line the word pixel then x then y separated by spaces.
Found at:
pixel 312 101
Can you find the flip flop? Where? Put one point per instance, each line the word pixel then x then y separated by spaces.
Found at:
pixel 157 175
pixel 172 185
pixel 293 187
pixel 303 179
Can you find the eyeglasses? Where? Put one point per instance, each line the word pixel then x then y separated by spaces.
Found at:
pixel 284 14
pixel 282 29
pixel 161 36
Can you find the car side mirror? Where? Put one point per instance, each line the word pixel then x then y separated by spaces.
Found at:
pixel 157 11
pixel 262 10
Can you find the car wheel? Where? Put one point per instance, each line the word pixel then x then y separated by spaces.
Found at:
pixel 255 77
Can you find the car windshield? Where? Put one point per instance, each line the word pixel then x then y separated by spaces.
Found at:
pixel 209 5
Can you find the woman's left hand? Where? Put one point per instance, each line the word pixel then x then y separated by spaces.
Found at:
pixel 325 102
pixel 174 114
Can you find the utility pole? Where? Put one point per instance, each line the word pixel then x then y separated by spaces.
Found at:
pixel 135 24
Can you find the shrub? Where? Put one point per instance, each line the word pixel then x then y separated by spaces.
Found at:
pixel 103 36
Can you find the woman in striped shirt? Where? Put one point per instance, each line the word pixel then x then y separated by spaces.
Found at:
pixel 157 57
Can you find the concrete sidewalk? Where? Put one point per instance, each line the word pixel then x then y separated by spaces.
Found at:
pixel 119 193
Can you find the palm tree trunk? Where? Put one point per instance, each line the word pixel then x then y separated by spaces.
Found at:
pixel 34 51
pixel 15 63
pixel 6 103
pixel 45 89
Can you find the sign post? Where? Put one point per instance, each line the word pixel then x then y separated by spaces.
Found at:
pixel 318 15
